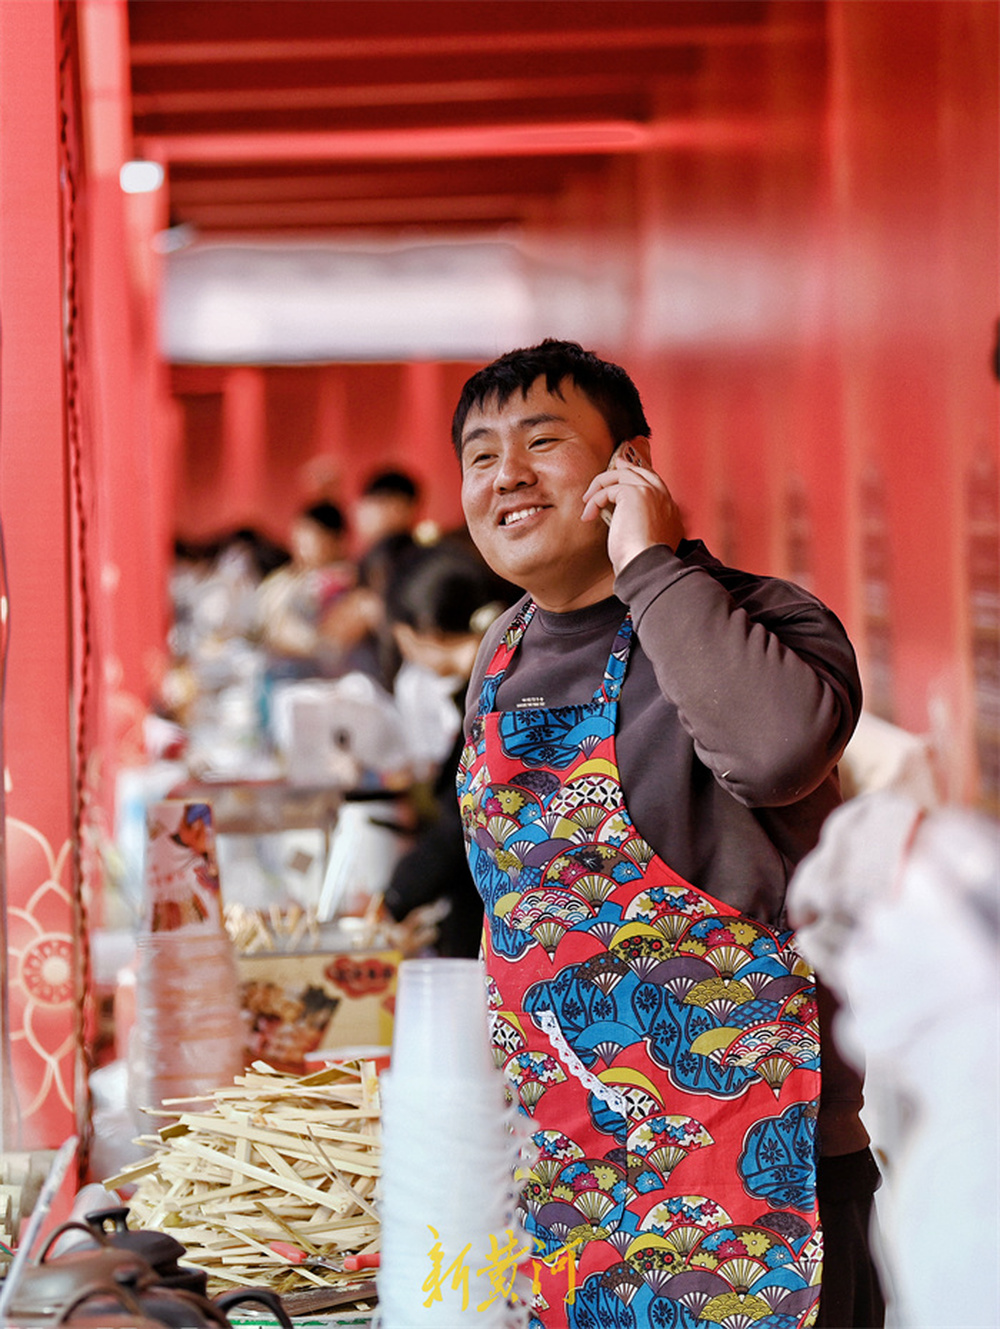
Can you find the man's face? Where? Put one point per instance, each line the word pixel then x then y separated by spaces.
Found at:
pixel 525 467
pixel 379 515
pixel 313 546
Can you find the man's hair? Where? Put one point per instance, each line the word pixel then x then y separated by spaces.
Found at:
pixel 444 588
pixel 394 483
pixel 327 515
pixel 605 385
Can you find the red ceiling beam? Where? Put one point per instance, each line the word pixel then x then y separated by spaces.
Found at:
pixel 347 185
pixel 602 137
pixel 333 96
pixel 379 47
pixel 357 212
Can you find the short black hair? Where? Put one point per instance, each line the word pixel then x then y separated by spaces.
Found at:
pixel 442 587
pixel 606 385
pixel 327 515
pixel 392 482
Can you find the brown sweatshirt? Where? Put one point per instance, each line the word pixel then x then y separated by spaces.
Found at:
pixel 740 695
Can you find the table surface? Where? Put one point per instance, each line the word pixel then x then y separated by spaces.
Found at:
pixel 331 1321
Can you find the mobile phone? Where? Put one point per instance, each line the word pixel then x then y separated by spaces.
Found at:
pixel 628 453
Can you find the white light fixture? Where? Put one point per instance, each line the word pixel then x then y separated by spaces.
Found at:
pixel 140 177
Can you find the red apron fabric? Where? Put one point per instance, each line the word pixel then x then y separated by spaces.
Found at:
pixel 665 1047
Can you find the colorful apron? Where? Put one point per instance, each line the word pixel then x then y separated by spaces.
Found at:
pixel 665 1046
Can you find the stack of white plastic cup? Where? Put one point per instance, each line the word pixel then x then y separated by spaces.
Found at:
pixel 188 1038
pixel 449 1157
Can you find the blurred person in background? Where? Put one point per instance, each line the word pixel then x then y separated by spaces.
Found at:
pixel 383 522
pixel 213 587
pixel 213 590
pixel 294 602
pixel 361 614
pixel 439 603
pixel 898 908
pixel 389 504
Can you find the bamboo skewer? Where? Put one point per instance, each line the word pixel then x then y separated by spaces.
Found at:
pixel 275 1157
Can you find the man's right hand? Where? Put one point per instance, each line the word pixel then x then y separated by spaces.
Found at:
pixel 644 512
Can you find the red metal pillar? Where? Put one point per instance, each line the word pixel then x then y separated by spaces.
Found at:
pixel 33 507
pixel 244 444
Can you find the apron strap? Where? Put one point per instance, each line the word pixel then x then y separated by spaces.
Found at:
pixel 614 670
pixel 505 649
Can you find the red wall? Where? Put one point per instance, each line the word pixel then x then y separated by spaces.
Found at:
pixel 41 959
pixel 261 442
pixel 811 324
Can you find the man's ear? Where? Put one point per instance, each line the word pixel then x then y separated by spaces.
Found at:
pixel 636 450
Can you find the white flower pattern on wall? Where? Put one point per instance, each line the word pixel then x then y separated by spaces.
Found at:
pixel 41 977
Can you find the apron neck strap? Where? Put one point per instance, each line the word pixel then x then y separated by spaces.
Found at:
pixel 614 670
pixel 609 688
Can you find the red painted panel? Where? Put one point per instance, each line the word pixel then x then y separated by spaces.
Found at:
pixel 326 428
pixel 33 489
pixel 915 130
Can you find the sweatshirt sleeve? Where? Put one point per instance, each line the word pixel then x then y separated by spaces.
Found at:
pixel 763 675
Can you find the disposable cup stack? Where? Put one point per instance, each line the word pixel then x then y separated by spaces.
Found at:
pixel 449 1159
pixel 188 1038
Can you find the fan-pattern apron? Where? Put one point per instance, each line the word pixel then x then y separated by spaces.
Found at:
pixel 664 1046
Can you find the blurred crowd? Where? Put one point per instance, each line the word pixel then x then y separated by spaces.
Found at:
pixel 339 659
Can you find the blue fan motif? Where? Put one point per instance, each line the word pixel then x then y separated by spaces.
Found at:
pixel 597 1307
pixel 778 1162
pixel 551 738
pixel 670 1036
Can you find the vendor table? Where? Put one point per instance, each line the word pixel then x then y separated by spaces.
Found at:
pixel 257 807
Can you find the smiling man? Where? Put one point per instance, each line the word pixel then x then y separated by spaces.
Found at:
pixel 651 747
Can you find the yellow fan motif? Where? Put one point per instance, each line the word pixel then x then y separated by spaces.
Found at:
pixel 774 1071
pixel 731 1305
pixel 741 1272
pixel 726 959
pixel 636 929
pixel 501 828
pixel 625 1075
pixel 586 819
pixel 598 767
pixel 507 903
pixel 640 946
pixel 715 1040
pixel 647 1241
pixel 510 798
pixel 637 849
pixel 580 1235
pixel 594 1205
pixel 713 989
pixel 594 888
pixel 683 1238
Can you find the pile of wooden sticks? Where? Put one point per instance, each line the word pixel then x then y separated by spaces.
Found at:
pixel 270 1183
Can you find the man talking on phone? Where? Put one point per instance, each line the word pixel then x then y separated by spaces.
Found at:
pixel 651 748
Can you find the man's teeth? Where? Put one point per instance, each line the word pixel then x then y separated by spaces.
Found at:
pixel 512 517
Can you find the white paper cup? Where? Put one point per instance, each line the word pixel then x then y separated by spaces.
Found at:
pixel 441 1029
